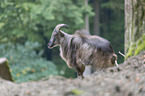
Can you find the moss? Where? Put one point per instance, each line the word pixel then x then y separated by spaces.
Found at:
pixel 139 42
pixel 136 47
pixel 76 92
pixel 141 47
pixel 131 50
pixel 143 37
pixel 8 66
pixel 129 53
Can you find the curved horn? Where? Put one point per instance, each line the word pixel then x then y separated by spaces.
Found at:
pixel 59 26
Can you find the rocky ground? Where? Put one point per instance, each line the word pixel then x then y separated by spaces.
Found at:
pixel 128 79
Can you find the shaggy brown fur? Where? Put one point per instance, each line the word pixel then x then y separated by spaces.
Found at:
pixel 82 49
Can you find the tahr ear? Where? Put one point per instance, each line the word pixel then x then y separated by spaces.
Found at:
pixel 61 33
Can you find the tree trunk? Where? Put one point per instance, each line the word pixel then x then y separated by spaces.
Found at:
pixel 4 69
pixel 96 27
pixel 87 68
pixel 134 27
pixel 86 18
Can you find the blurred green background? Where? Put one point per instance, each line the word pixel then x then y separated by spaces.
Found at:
pixel 26 27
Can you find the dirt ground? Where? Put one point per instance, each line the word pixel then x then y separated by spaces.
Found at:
pixel 128 79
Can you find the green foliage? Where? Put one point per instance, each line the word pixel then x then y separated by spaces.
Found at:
pixel 32 19
pixel 25 64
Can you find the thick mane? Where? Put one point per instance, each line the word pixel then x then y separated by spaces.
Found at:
pixel 94 41
pixel 68 52
pixel 82 32
pixel 99 43
pixel 72 52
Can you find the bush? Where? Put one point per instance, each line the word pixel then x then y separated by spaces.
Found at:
pixel 25 63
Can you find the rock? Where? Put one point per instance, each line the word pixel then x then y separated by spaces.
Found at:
pixel 4 69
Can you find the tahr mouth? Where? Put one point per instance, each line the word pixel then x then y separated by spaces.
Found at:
pixel 50 47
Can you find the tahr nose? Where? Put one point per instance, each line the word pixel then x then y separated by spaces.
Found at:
pixel 50 44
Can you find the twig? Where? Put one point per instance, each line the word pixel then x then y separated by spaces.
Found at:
pixel 121 54
pixel 116 63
